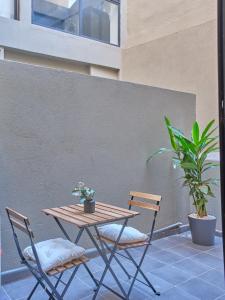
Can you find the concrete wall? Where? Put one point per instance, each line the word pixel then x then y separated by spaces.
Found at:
pixel 174 45
pixel 59 127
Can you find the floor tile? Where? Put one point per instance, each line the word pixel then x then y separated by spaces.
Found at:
pixel 20 288
pixel 188 266
pixel 167 256
pixel 209 260
pixel 152 249
pixel 150 264
pixel 185 251
pixel 221 298
pixel 3 295
pixel 78 290
pixel 171 274
pixel 215 277
pixel 189 243
pixel 216 251
pixel 135 293
pixel 159 284
pixel 175 294
pixel 202 289
pixel 164 243
pixel 178 239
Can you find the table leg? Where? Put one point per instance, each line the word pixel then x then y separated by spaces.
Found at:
pixel 102 252
pixel 76 241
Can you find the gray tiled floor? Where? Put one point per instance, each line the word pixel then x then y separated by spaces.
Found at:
pixel 177 268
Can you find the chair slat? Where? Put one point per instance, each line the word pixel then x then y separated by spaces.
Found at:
pixel 144 205
pixel 66 266
pixel 146 196
pixel 21 227
pixel 120 210
pixel 16 215
pixel 126 245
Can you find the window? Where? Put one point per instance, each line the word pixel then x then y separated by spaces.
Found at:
pixel 7 9
pixel 57 14
pixel 94 19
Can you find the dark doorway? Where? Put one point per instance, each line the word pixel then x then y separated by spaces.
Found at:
pixel 221 70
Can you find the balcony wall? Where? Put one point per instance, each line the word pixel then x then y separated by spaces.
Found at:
pixel 59 127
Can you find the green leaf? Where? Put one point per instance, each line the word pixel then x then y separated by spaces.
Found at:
pixel 210 167
pixel 188 165
pixel 205 131
pixel 211 132
pixel 171 135
pixel 195 132
pixel 177 132
pixel 211 149
pixel 160 151
pixel 204 189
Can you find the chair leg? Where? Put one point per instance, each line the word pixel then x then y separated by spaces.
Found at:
pixel 57 283
pixel 138 266
pixel 108 261
pixel 54 292
pixel 140 271
pixel 40 278
pixel 69 281
pixel 118 261
pixel 33 290
pixel 91 275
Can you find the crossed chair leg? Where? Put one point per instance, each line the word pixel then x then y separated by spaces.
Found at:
pixel 137 266
pixel 50 288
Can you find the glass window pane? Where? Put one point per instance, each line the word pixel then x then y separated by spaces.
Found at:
pixel 99 20
pixel 7 9
pixel 57 14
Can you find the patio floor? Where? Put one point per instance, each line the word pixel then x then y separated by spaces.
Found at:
pixel 179 269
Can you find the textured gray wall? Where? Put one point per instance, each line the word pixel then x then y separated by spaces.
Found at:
pixel 57 128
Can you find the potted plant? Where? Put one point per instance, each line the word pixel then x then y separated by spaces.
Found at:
pixel 86 195
pixel 190 154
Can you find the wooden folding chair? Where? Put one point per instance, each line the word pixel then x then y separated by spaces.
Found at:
pixel 20 224
pixel 153 204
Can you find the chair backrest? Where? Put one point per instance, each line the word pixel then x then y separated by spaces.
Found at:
pixel 155 206
pixel 146 205
pixel 19 222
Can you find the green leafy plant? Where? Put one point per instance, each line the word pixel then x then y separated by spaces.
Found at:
pixel 190 154
pixel 84 192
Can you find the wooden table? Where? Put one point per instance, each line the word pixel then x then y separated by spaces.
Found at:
pixel 104 213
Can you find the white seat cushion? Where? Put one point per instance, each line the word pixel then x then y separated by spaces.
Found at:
pixel 55 252
pixel 129 235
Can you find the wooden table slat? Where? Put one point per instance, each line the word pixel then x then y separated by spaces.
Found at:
pixel 75 211
pixel 104 211
pixel 63 217
pixel 81 217
pixel 95 214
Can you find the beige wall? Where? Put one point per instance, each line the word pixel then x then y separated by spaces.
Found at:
pixel 55 63
pixel 151 19
pixel 100 71
pixel 174 48
pixel 45 61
